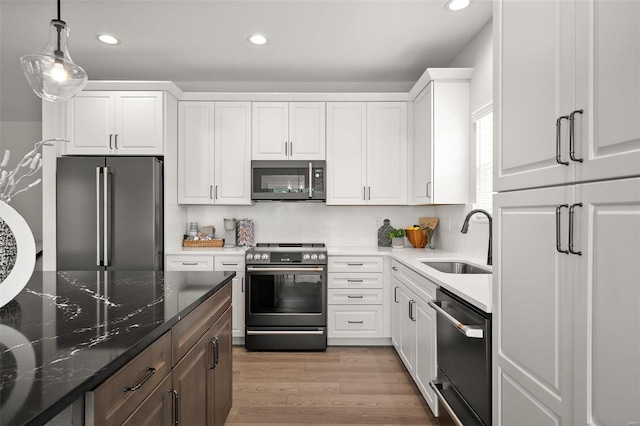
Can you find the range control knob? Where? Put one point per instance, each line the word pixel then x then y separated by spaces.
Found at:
pixel 249 256
pixel 265 256
pixel 306 256
pixel 322 256
pixel 314 256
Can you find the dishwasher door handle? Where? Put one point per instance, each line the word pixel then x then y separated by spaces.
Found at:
pixel 436 386
pixel 471 331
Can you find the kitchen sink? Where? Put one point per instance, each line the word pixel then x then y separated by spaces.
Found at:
pixel 456 267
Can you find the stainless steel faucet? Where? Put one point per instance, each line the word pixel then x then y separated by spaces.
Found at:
pixel 465 228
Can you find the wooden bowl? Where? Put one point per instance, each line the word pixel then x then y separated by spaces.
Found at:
pixel 417 237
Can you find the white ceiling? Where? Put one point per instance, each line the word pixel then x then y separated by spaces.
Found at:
pixel 314 45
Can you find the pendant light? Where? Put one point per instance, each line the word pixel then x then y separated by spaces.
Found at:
pixel 52 74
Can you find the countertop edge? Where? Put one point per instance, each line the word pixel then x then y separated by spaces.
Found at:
pixel 104 373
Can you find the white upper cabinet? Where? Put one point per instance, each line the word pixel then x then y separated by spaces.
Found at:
pixel 367 153
pixel 115 123
pixel 288 131
pixel 576 119
pixel 441 140
pixel 214 153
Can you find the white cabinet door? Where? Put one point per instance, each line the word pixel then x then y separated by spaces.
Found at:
pixel 607 296
pixel 307 131
pixel 396 314
pixel 422 152
pixel 607 89
pixel 139 123
pixel 237 299
pixel 270 130
pixel 426 364
pixel 196 153
pixel 232 153
pixel 90 123
pixel 533 300
pixel 408 332
pixel 346 152
pixel 387 153
pixel 534 85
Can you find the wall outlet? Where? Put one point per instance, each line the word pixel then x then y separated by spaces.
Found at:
pixel 448 224
pixel 378 221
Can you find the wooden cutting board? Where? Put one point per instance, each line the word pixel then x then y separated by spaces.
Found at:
pixel 428 222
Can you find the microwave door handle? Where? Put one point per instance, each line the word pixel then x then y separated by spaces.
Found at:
pixel 310 182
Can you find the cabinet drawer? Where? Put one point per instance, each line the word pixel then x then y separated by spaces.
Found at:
pixel 189 329
pixel 354 280
pixel 110 403
pixel 419 284
pixel 364 296
pixel 355 264
pixel 229 263
pixel 355 321
pixel 179 262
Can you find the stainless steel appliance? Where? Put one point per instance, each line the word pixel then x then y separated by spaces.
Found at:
pixel 229 232
pixel 464 359
pixel 288 180
pixel 109 213
pixel 286 297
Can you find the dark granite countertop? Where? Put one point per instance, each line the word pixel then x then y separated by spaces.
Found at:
pixel 67 332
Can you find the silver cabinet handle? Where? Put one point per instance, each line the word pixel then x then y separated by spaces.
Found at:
pixel 286 149
pixel 216 193
pixel 364 193
pixel 211 192
pixel 242 285
pixel 354 297
pixel 369 198
pixel 411 310
pixel 355 322
pixel 150 372
pixel 558 242
pixel 229 264
pixel 290 149
pixel 354 281
pixel 558 137
pixel 428 188
pixel 394 268
pixel 98 246
pixel 116 140
pixel 355 264
pixel 111 141
pixel 189 263
pixel 310 176
pixel 395 294
pixel 572 148
pixel 471 331
pixel 571 212
pixel 176 406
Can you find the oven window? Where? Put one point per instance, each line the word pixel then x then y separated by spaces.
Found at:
pixel 286 294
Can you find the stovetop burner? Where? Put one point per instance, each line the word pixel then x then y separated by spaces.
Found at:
pixel 287 253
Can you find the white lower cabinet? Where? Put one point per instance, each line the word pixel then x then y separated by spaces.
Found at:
pixel 414 327
pixel 356 302
pixel 211 262
pixel 577 360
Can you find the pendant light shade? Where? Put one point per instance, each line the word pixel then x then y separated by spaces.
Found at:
pixel 52 74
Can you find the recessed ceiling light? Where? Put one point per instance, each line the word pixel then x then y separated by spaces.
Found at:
pixel 107 39
pixel 455 5
pixel 258 39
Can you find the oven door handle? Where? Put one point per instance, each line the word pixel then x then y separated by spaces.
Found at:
pixel 265 269
pixel 276 332
pixel 471 331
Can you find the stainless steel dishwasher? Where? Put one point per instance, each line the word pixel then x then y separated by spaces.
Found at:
pixel 464 359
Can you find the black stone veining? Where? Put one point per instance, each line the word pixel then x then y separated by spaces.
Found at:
pixel 67 332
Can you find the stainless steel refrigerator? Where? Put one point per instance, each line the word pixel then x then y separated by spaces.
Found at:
pixel 109 213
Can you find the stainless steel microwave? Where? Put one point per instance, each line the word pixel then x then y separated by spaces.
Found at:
pixel 288 180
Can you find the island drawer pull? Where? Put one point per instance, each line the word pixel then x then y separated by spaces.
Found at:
pixel 355 322
pixel 189 263
pixel 355 297
pixel 150 372
pixel 354 281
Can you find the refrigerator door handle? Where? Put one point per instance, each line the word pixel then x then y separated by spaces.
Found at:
pixel 98 245
pixel 107 215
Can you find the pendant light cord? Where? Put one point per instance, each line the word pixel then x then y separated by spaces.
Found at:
pixel 59 11
pixel 59 28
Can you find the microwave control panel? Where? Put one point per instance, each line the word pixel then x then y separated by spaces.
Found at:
pixel 318 180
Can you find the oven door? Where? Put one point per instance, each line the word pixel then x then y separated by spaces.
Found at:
pixel 286 296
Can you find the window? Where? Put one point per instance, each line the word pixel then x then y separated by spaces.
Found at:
pixel 483 124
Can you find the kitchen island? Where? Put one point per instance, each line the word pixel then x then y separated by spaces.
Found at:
pixel 68 332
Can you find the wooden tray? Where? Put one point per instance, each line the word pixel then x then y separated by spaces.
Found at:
pixel 203 243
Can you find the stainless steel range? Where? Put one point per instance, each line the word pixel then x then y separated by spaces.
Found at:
pixel 286 297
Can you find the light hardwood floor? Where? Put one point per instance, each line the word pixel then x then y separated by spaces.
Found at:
pixel 342 386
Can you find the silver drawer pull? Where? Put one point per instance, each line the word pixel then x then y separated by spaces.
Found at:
pixel 355 297
pixel 471 331
pixel 189 263
pixel 150 372
pixel 437 386
pixel 355 322
pixel 355 264
pixel 230 264
pixel 354 281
